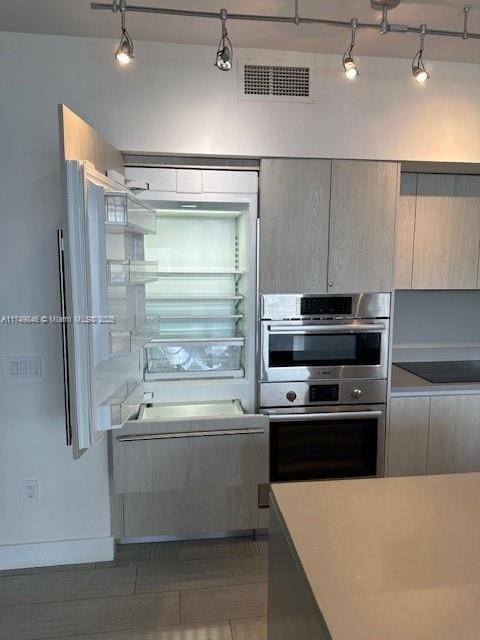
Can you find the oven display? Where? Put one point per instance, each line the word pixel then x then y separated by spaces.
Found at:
pixel 323 393
pixel 326 306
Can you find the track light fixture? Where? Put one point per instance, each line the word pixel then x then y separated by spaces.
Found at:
pixel 418 67
pixel 224 57
pixel 349 65
pixel 124 52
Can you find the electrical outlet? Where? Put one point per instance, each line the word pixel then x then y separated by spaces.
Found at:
pixel 31 490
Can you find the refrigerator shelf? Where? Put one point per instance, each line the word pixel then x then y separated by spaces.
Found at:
pixel 123 213
pixel 120 408
pixel 131 272
pixel 194 298
pixel 125 342
pixel 199 273
pixel 195 375
pixel 211 316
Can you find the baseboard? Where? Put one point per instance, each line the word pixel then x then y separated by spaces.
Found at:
pixel 43 554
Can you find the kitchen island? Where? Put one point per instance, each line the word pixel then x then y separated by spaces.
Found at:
pixel 376 559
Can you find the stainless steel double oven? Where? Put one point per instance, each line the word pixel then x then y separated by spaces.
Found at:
pixel 324 366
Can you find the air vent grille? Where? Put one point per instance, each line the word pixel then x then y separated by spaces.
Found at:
pixel 263 80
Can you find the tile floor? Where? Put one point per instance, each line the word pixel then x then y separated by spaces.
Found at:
pixel 203 590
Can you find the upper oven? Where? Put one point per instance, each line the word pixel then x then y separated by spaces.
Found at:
pixel 324 337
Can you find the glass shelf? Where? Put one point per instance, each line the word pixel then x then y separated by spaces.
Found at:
pixel 125 213
pixel 200 297
pixel 131 272
pixel 193 273
pixel 212 316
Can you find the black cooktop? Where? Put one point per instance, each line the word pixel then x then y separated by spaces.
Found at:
pixel 438 372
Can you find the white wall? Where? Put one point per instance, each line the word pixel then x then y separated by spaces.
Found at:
pixel 172 101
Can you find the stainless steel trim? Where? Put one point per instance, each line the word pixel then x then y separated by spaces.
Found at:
pixel 322 327
pixel 63 307
pixel 340 415
pixel 189 434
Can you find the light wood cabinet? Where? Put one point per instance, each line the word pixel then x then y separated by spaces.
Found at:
pixel 294 220
pixel 362 225
pixel 434 434
pixel 405 230
pixel 174 455
pixel 327 225
pixel 438 232
pixel 196 475
pixel 454 437
pixel 408 436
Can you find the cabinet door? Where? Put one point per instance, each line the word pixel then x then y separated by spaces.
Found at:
pixel 294 219
pixel 454 435
pixel 447 232
pixel 405 230
pixel 408 436
pixel 362 226
pixel 177 455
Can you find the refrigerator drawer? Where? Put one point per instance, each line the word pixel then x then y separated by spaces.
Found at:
pixel 187 453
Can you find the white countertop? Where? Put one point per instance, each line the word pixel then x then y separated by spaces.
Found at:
pixel 390 558
pixel 404 383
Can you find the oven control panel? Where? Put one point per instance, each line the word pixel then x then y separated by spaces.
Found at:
pixel 298 394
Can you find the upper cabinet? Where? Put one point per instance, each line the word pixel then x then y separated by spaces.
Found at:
pixel 438 232
pixel 362 225
pixel 294 219
pixel 327 226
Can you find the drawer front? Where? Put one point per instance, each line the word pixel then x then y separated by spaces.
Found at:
pixel 183 454
pixel 191 511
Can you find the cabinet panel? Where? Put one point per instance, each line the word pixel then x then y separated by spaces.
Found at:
pixel 405 231
pixel 408 436
pixel 185 454
pixel 447 232
pixel 294 223
pixel 454 435
pixel 362 225
pixel 191 511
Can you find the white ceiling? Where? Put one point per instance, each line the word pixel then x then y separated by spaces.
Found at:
pixel 76 18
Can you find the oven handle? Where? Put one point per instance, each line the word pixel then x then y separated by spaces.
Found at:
pixel 342 328
pixel 340 415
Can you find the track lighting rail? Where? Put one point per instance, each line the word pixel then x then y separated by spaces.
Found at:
pixel 294 19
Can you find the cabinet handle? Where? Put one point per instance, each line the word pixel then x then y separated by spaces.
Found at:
pixel 330 283
pixel 63 306
pixel 189 434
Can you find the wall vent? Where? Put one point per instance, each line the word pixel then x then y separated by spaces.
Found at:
pixel 275 82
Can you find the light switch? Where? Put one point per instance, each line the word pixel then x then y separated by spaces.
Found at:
pixel 24 367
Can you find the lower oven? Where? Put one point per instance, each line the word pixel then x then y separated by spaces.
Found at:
pixel 336 442
pixel 326 432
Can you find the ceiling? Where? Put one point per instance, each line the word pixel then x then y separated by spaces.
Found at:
pixel 76 18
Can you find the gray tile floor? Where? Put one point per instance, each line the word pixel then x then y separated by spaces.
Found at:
pixel 203 590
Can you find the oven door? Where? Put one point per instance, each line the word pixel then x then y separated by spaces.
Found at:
pixel 297 351
pixel 333 443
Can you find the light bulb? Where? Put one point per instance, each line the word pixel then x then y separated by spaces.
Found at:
pixel 224 59
pixel 350 68
pixel 123 57
pixel 420 75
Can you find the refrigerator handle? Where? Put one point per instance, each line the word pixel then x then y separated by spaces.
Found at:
pixel 63 304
